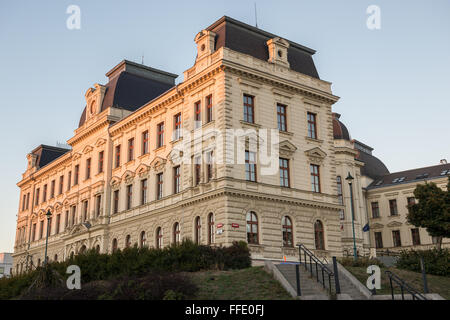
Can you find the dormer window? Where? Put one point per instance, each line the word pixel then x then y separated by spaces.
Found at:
pixel 278 49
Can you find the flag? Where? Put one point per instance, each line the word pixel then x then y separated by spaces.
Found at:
pixel 366 227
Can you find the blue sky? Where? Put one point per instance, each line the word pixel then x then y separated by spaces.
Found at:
pixel 393 82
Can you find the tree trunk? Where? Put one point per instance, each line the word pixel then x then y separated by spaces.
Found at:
pixel 439 243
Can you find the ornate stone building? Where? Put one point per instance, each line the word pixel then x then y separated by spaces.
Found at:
pixel 153 162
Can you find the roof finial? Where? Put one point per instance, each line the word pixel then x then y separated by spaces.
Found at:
pixel 256 17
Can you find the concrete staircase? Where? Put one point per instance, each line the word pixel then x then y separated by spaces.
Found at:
pixel 310 288
pixel 349 287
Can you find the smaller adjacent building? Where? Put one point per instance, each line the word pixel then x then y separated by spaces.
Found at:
pixel 387 200
pixel 6 264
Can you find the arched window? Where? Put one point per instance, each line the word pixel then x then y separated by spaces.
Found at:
pixel 39 262
pixel 82 249
pixel 97 248
pixel 55 258
pixel 159 238
pixel 72 254
pixel 211 228
pixel 114 245
pixel 252 228
pixel 143 239
pixel 288 240
pixel 198 233
pixel 127 241
pixel 176 233
pixel 318 235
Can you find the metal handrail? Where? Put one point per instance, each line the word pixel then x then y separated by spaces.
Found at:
pixel 403 285
pixel 318 264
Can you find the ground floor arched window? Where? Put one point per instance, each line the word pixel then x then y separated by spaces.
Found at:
pixel 211 228
pixel 197 230
pixel 114 245
pixel 252 228
pixel 288 238
pixel 143 239
pixel 319 235
pixel 176 233
pixel 159 238
pixel 128 241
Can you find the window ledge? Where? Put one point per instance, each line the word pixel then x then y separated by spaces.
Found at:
pixel 250 124
pixel 287 133
pixel 175 141
pixel 313 140
pixel 160 148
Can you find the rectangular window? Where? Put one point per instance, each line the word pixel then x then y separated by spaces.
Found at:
pixel 85 210
pixel 176 179
pixel 69 180
pixel 396 238
pixel 24 199
pixel 315 178
pixel 197 171
pixel 144 191
pixel 61 184
pixel 58 223
pixel 177 126
pixel 52 189
pixel 49 227
pixel 411 201
pixel 160 135
pixel 415 236
pixel 197 115
pixel 100 161
pixel 159 186
pixel 250 166
pixel 284 172
pixel 145 142
pixel 33 232
pixel 340 196
pixel 41 229
pixel 378 240
pixel 76 175
pixel 129 196
pixel 249 109
pixel 66 219
pixel 281 117
pixel 209 109
pixel 131 149
pixel 98 205
pixel 74 212
pixel 36 200
pixel 375 210
pixel 209 163
pixel 44 193
pixel 312 125
pixel 28 201
pixel 88 168
pixel 116 201
pixel 117 164
pixel 393 207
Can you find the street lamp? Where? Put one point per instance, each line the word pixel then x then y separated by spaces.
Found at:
pixel 49 215
pixel 350 181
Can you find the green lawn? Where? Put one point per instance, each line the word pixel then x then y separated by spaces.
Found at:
pixel 436 284
pixel 245 284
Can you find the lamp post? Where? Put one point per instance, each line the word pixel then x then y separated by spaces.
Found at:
pixel 350 181
pixel 49 215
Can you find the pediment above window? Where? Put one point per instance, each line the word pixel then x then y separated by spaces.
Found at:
pixel 142 169
pixel 376 226
pixel 316 155
pixel 128 176
pixel 158 163
pixel 87 149
pixel 115 181
pixel 394 224
pixel 100 142
pixel 76 156
pixel 286 149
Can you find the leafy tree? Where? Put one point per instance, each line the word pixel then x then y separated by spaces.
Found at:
pixel 432 211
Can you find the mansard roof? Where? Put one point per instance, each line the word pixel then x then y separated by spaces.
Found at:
pixel 250 40
pixel 413 175
pixel 131 85
pixel 46 154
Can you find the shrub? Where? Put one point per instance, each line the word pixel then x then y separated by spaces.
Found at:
pixel 436 261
